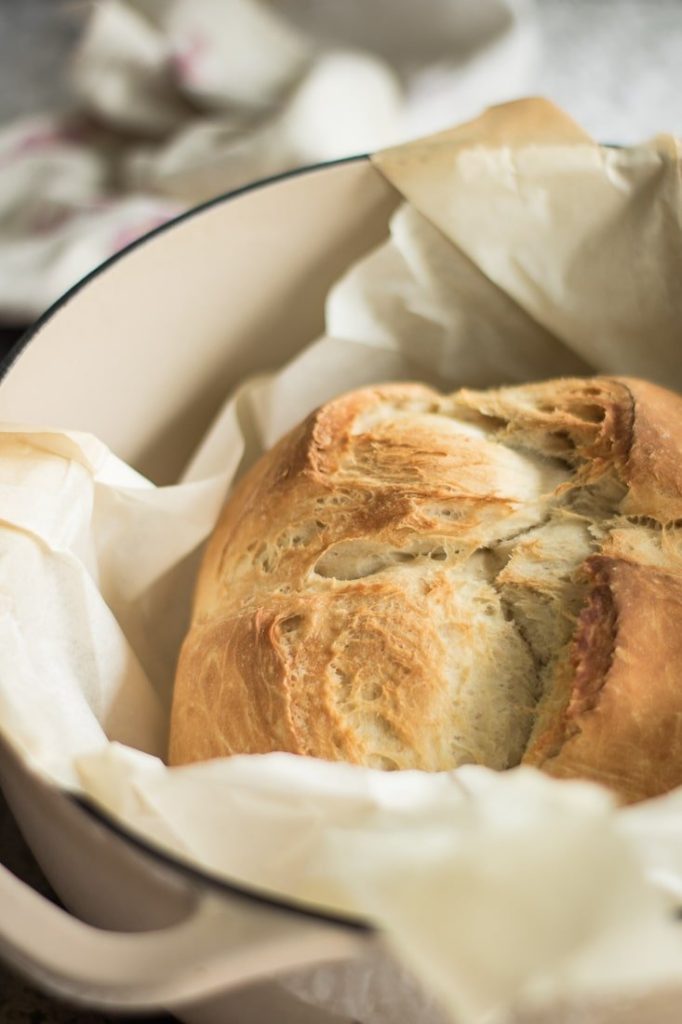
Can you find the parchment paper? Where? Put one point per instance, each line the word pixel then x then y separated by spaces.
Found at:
pixel 524 250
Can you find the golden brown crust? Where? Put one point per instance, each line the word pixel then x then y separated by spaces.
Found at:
pixel 654 464
pixel 622 725
pixel 591 419
pixel 412 580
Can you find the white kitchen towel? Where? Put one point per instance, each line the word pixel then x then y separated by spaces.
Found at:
pixel 175 101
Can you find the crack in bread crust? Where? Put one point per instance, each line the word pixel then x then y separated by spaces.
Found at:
pixel 416 580
pixel 582 668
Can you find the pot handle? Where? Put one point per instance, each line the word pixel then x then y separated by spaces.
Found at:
pixel 224 942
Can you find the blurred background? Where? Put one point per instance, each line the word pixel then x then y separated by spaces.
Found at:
pixel 115 115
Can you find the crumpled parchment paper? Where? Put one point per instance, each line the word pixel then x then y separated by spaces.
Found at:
pixel 524 250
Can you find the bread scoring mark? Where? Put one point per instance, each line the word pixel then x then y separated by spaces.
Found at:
pixel 624 724
pixel 594 643
pixel 557 421
pixel 653 466
pixel 356 559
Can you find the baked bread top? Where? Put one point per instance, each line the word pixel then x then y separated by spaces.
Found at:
pixel 413 580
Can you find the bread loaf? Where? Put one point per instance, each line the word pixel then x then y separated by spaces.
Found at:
pixel 413 580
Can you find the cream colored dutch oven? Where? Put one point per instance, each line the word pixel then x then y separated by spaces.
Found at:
pixel 142 354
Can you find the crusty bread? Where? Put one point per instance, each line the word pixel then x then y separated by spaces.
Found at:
pixel 412 580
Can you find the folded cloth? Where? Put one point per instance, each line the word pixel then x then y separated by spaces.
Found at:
pixel 175 101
